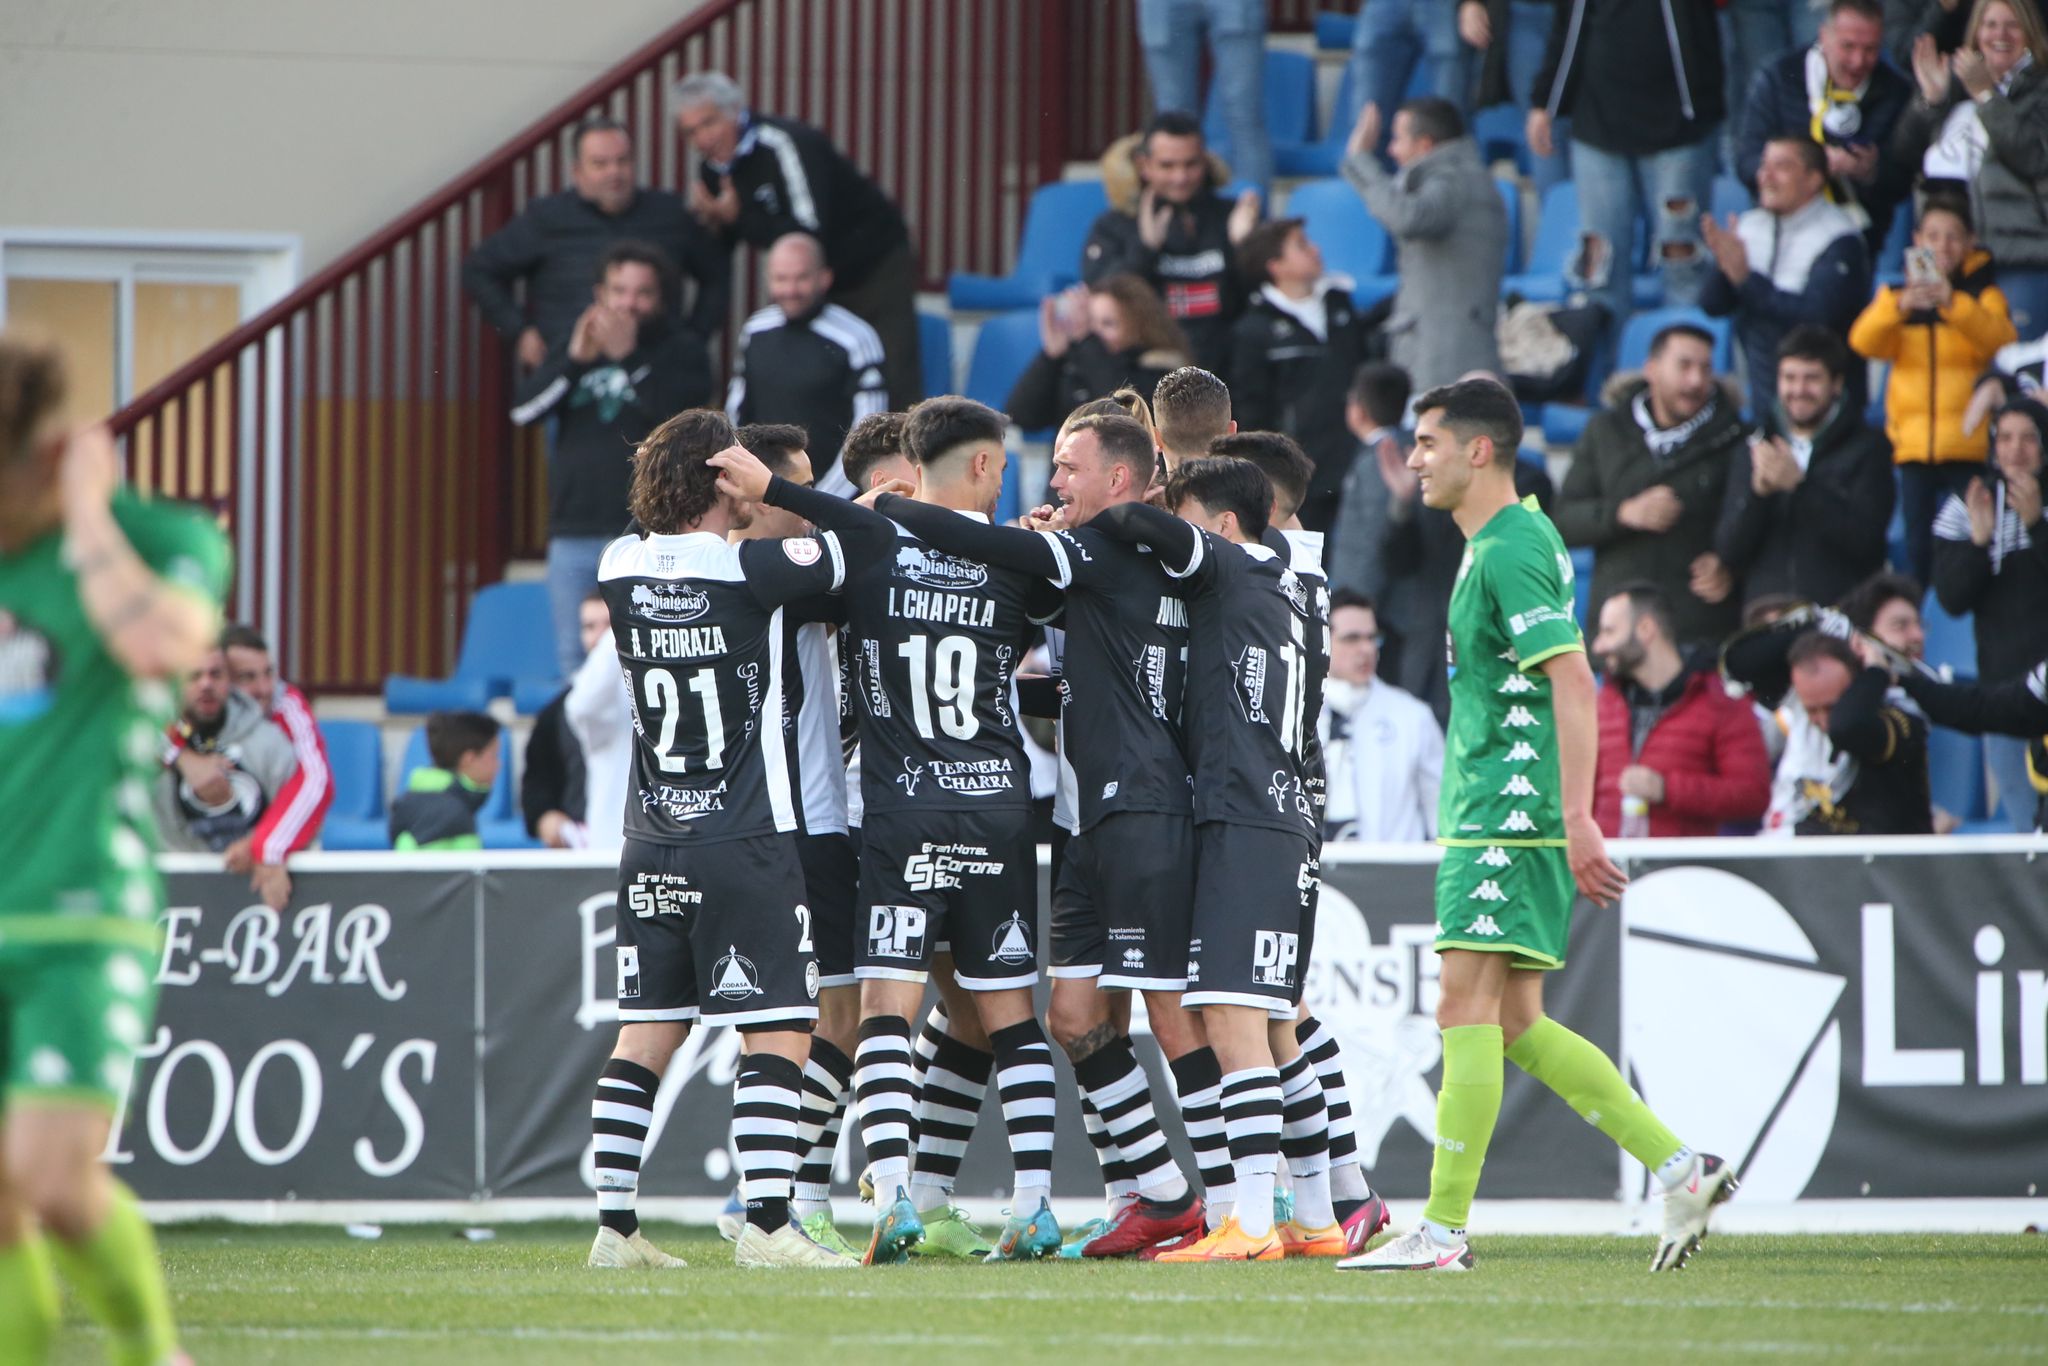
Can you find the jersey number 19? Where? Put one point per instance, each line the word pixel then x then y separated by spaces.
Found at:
pixel 948 682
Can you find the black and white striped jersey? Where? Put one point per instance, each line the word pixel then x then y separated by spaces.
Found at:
pixel 820 759
pixel 702 641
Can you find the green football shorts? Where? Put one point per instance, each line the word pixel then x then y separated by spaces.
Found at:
pixel 1514 899
pixel 72 1015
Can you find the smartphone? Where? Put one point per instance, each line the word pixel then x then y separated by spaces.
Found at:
pixel 1920 267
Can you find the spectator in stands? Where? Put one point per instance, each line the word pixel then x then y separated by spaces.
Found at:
pixel 1374 407
pixel 1642 84
pixel 1755 33
pixel 1939 332
pixel 624 368
pixel 225 764
pixel 1647 481
pixel 1991 564
pixel 1190 408
pixel 1447 219
pixel 1981 120
pixel 1171 32
pixel 1840 92
pixel 805 359
pixel 1810 496
pixel 600 715
pixel 1947 21
pixel 552 791
pixel 1172 230
pixel 554 245
pixel 1092 341
pixel 1293 353
pixel 873 454
pixel 1391 39
pixel 1670 735
pixel 293 821
pixel 2016 709
pixel 1510 37
pixel 762 178
pixel 1795 258
pixel 438 808
pixel 1382 748
pixel 1855 753
pixel 1886 607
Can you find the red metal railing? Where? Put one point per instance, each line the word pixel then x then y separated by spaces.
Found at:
pixel 355 436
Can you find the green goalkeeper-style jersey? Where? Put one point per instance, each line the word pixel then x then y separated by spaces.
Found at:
pixel 80 742
pixel 1511 609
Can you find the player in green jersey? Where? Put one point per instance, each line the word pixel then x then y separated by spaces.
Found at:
pixel 103 597
pixel 1515 820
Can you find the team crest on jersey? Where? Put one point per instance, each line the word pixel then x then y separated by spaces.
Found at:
pixel 811 979
pixel 935 569
pixel 1012 943
pixel 1294 590
pixel 802 550
pixel 909 778
pixel 669 602
pixel 733 977
pixel 28 670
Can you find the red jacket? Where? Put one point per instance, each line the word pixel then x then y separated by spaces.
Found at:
pixel 1707 748
pixel 293 818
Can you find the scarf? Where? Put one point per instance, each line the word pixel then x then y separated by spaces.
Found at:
pixel 1666 441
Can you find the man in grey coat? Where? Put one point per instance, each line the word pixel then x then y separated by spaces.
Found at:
pixel 223 763
pixel 1446 217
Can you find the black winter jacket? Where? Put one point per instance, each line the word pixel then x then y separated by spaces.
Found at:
pixel 1283 378
pixel 1825 536
pixel 791 178
pixel 1192 271
pixel 1636 76
pixel 1777 104
pixel 2003 586
pixel 1050 388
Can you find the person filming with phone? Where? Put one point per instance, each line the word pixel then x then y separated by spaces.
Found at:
pixel 1939 332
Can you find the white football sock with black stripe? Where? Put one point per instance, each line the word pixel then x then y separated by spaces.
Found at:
pixel 620 1114
pixel 881 1092
pixel 948 1104
pixel 1347 1178
pixel 1024 1081
pixel 1251 1117
pixel 828 1077
pixel 1117 1088
pixel 1117 1185
pixel 1198 1081
pixel 1305 1143
pixel 767 1107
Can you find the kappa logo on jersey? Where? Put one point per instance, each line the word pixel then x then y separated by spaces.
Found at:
pixel 1487 890
pixel 669 602
pixel 1519 786
pixel 1273 958
pixel 1250 684
pixel 802 550
pixel 1494 857
pixel 26 671
pixel 1522 753
pixel 1012 942
pixel 629 972
pixel 1484 927
pixel 733 977
pixel 1521 718
pixel 1516 683
pixel 1150 671
pixel 1518 822
pixel 935 569
pixel 897 932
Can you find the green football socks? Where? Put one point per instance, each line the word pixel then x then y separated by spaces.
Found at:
pixel 116 1274
pixel 1466 1108
pixel 1589 1082
pixel 28 1302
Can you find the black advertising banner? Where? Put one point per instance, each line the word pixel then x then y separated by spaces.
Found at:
pixel 323 1053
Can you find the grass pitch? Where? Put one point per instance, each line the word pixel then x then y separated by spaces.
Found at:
pixel 308 1294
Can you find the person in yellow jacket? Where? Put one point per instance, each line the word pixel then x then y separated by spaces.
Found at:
pixel 1938 331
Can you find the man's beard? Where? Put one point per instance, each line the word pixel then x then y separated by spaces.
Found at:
pixel 1621 664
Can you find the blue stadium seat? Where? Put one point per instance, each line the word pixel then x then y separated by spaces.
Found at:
pixel 1335 219
pixel 935 352
pixel 1334 31
pixel 1323 156
pixel 1951 641
pixel 1730 196
pixel 355 756
pixel 1956 774
pixel 499 822
pixel 1642 328
pixel 510 635
pixel 531 695
pixel 1582 587
pixel 1290 99
pixel 1056 227
pixel 1891 257
pixel 1499 131
pixel 1003 347
pixel 1541 278
pixel 1511 200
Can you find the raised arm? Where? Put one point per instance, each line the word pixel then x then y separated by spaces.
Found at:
pixel 2018 707
pixel 1037 553
pixel 1178 544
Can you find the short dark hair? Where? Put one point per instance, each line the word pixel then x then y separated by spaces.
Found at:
pixel 1351 597
pixel 1872 10
pixel 32 388
pixel 1950 202
pixel 1191 408
pixel 937 427
pixel 1175 123
pixel 630 252
pixel 1646 599
pixel 875 438
pixel 1382 388
pixel 1479 407
pixel 598 124
pixel 1434 118
pixel 1812 646
pixel 774 444
pixel 452 734
pixel 1123 441
pixel 1862 603
pixel 1288 469
pixel 1262 246
pixel 1810 152
pixel 1224 484
pixel 241 636
pixel 673 487
pixel 1810 341
pixel 1669 331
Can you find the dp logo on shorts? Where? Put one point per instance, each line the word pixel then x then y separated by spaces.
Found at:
pixel 1273 956
pixel 896 932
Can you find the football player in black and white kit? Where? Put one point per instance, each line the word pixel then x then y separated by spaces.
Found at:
pixel 1249 706
pixel 946 851
pixel 1127 878
pixel 713 921
pixel 1312 1057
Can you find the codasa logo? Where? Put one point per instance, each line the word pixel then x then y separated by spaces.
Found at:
pixel 1750 1066
pixel 936 570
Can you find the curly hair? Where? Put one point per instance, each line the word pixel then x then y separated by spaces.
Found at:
pixel 1150 326
pixel 673 487
pixel 32 386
